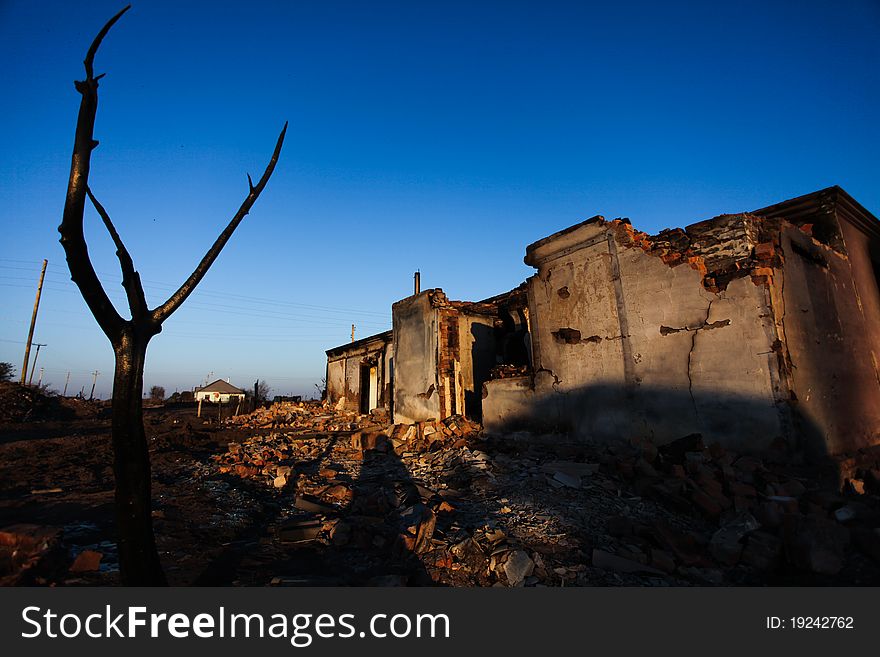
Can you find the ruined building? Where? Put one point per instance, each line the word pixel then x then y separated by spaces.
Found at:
pixel 756 329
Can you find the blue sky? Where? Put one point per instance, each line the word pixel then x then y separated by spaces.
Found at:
pixel 441 136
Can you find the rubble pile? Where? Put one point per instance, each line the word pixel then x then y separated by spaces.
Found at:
pixel 769 516
pixel 438 502
pixel 271 458
pixel 27 552
pixel 20 403
pixel 311 416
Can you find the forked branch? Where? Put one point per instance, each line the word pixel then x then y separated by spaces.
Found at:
pixel 71 228
pixel 72 238
pixel 131 280
pixel 161 313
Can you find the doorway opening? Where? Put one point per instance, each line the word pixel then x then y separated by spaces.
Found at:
pixel 369 388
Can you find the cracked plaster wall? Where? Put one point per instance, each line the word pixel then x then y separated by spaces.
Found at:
pixel 416 341
pixel 344 373
pixel 830 315
pixel 335 380
pixel 626 345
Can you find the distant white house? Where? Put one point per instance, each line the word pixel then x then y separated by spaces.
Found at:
pixel 219 391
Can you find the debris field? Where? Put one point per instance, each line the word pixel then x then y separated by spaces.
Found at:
pixel 300 494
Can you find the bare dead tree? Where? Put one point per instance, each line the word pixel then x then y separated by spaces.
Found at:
pixel 138 558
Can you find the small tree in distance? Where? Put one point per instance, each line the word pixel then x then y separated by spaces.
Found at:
pixel 7 370
pixel 261 391
pixel 157 393
pixel 138 559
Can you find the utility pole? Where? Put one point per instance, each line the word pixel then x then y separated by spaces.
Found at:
pixel 27 349
pixel 352 332
pixel 34 366
pixel 94 381
pixel 64 394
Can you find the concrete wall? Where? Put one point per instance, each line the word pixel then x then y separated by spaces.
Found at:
pixel 353 382
pixel 477 354
pixel 831 336
pixel 864 259
pixel 625 345
pixel 386 398
pixel 344 372
pixel 335 379
pixel 416 335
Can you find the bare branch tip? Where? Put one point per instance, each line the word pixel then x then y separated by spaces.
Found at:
pixel 90 55
pixel 250 182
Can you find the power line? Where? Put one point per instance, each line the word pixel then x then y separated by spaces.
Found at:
pixel 151 284
pixel 224 308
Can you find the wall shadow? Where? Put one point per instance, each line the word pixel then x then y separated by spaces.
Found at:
pixel 605 413
pixel 483 359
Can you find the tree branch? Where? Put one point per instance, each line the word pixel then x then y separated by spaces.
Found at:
pixel 72 238
pixel 131 280
pixel 90 55
pixel 161 313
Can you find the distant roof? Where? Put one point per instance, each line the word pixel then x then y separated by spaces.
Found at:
pixel 221 386
pixel 385 336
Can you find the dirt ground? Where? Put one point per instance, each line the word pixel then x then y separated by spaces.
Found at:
pixel 285 505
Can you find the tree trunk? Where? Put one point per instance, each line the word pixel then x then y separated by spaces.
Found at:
pixel 138 559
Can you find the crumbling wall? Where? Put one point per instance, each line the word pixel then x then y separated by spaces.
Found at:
pixel 449 376
pixel 831 342
pixel 335 379
pixel 353 382
pixel 344 371
pixel 416 340
pixel 477 352
pixel 386 398
pixel 443 351
pixel 657 337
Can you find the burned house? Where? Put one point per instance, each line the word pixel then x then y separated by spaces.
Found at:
pixel 359 374
pixel 753 329
pixel 445 351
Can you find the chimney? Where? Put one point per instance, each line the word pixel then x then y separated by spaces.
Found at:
pixel 417 282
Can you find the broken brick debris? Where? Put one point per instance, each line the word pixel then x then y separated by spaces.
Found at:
pixel 87 561
pixel 529 511
pixel 28 552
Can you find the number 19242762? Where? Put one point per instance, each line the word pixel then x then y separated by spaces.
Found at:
pixel 810 623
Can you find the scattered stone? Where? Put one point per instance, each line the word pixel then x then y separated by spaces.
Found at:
pixel 726 544
pixel 518 567
pixel 568 480
pixel 27 550
pixel 608 561
pixel 87 561
pixel 313 506
pixel 815 544
pixel 300 531
pixel 844 514
pixel 762 551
